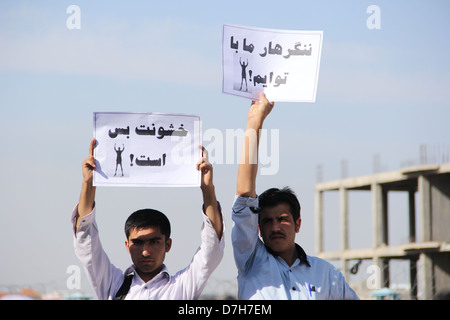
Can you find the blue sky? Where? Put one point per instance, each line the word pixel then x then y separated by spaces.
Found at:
pixel 379 92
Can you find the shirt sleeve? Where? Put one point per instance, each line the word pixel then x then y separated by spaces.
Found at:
pixel 206 259
pixel 244 234
pixel 104 276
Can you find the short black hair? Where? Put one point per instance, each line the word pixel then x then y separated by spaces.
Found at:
pixel 274 196
pixel 146 218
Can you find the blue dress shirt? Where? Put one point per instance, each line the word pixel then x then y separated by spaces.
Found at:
pixel 265 276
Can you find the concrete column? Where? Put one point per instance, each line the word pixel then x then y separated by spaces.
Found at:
pixel 379 219
pixel 343 195
pixel 343 203
pixel 426 276
pixel 379 215
pixel 383 265
pixel 384 218
pixel 412 215
pixel 424 189
pixel 413 278
pixel 318 215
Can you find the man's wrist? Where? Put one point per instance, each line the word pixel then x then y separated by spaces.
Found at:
pixel 89 182
pixel 208 191
pixel 254 124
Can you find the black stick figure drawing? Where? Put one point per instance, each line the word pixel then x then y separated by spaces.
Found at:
pixel 119 158
pixel 243 74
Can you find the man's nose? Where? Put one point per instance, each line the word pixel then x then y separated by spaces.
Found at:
pixel 146 250
pixel 276 225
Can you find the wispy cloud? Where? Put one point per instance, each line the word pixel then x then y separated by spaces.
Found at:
pixel 364 74
pixel 167 50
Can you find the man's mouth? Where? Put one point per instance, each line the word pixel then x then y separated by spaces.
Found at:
pixel 277 235
pixel 147 260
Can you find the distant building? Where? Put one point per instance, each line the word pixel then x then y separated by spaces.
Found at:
pixel 432 250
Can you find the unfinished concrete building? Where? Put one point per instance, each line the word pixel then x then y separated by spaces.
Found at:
pixel 430 248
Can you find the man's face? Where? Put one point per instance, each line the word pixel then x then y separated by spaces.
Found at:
pixel 147 247
pixel 278 228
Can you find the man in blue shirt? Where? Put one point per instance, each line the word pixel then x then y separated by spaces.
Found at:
pixel 276 267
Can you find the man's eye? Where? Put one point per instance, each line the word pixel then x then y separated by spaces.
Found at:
pixel 137 242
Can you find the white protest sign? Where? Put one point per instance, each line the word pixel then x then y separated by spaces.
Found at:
pixel 284 64
pixel 146 149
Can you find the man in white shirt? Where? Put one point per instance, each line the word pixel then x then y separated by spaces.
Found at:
pixel 148 241
pixel 276 267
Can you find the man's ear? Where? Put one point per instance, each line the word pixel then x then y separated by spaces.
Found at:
pixel 298 223
pixel 168 244
pixel 127 245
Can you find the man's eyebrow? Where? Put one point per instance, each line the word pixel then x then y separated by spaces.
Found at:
pixel 150 239
pixel 280 216
pixel 285 214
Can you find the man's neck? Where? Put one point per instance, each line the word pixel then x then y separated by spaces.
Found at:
pixel 290 256
pixel 147 276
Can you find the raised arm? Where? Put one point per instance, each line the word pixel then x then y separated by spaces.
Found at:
pixel 210 204
pixel 87 196
pixel 248 163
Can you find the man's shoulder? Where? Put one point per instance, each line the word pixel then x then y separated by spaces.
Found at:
pixel 317 262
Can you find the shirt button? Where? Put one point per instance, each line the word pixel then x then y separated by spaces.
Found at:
pixel 293 288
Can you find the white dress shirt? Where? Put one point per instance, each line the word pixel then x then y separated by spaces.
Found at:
pixel 106 279
pixel 264 276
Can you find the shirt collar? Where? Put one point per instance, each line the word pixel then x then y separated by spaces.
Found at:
pixel 300 252
pixel 302 255
pixel 164 273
